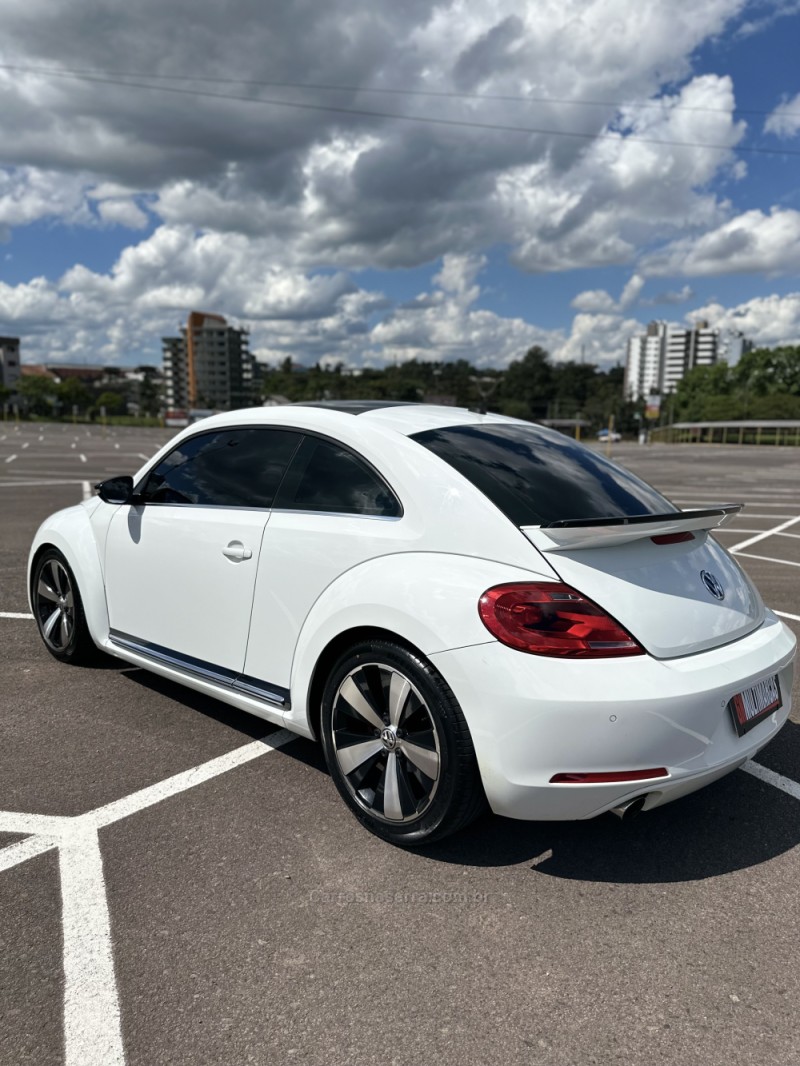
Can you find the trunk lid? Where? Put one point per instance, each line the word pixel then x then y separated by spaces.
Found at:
pixel 666 594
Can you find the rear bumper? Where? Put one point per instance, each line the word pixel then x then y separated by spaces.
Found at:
pixel 531 717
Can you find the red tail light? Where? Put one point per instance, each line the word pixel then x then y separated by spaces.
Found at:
pixel 549 618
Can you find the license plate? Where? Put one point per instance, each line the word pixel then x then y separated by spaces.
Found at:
pixel 749 707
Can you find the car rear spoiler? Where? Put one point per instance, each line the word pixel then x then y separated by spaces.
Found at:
pixel 571 533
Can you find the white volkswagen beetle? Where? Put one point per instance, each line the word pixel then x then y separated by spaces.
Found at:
pixel 463 608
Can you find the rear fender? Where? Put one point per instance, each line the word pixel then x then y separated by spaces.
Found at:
pixel 428 600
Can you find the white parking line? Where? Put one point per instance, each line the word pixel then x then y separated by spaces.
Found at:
pixel 92 1031
pixel 11 458
pixel 26 444
pixel 755 500
pixel 771 778
pixel 736 530
pixel 82 457
pixel 14 614
pixel 28 484
pixel 766 558
pixel 765 534
pixel 785 614
pixel 86 489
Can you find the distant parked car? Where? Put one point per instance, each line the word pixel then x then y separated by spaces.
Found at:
pixel 603 435
pixel 463 608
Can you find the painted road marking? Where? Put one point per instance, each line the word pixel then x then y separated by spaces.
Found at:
pixel 762 500
pixel 771 778
pixel 92 1031
pixel 14 614
pixel 86 489
pixel 11 458
pixel 734 529
pixel 140 455
pixel 785 614
pixel 82 457
pixel 26 444
pixel 765 558
pixel 765 534
pixel 28 484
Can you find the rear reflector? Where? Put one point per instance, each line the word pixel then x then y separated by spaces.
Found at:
pixel 550 618
pixel 611 775
pixel 672 538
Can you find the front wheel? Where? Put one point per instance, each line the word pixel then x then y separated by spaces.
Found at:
pixel 397 745
pixel 58 610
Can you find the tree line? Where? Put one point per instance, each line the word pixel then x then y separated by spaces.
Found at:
pixel 764 384
pixel 532 387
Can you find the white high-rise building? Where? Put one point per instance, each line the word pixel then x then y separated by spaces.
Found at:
pixel 686 349
pixel 645 360
pixel 662 356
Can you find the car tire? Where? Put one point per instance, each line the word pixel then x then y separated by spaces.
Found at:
pixel 58 610
pixel 397 745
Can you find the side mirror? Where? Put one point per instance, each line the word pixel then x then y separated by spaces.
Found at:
pixel 116 489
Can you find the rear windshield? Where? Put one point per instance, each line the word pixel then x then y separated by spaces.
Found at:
pixel 537 476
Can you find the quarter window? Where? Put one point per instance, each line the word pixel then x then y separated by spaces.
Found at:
pixel 229 468
pixel 328 477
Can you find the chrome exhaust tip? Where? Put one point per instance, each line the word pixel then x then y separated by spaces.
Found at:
pixel 630 808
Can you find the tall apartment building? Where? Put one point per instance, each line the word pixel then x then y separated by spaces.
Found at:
pixel 9 362
pixel 686 349
pixel 661 356
pixel 645 360
pixel 209 365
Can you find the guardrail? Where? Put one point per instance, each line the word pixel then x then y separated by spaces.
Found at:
pixel 776 432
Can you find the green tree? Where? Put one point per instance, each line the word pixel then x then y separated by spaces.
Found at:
pixel 764 371
pixel 38 394
pixel 113 402
pixel 700 391
pixel 73 393
pixel 149 398
pixel 528 381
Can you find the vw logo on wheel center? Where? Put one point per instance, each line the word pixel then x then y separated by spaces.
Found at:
pixel 389 738
pixel 712 584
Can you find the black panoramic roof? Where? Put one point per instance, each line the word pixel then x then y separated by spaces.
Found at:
pixel 354 407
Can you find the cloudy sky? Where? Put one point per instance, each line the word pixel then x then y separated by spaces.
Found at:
pixel 373 182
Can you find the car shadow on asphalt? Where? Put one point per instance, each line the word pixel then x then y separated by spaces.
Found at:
pixel 734 824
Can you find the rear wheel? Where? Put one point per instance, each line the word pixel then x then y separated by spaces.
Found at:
pixel 58 610
pixel 397 745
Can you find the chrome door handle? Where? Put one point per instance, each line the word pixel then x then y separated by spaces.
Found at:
pixel 237 552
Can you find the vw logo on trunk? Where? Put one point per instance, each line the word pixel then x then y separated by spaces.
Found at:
pixel 713 585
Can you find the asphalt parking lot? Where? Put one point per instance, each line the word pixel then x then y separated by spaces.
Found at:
pixel 236 913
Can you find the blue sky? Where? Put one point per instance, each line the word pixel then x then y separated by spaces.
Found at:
pixel 366 239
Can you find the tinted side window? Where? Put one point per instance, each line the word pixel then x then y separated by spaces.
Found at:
pixel 536 476
pixel 233 468
pixel 327 477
